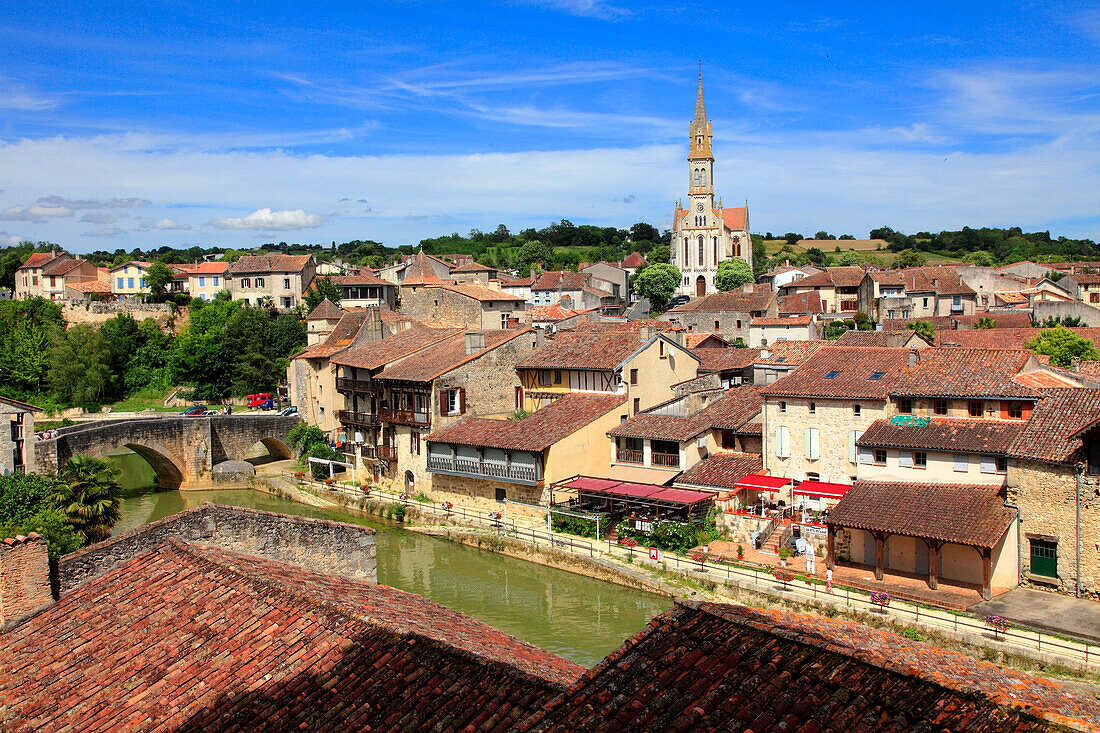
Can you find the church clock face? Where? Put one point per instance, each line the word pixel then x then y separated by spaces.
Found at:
pixel 699 207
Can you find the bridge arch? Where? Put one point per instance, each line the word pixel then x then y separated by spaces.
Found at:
pixel 169 475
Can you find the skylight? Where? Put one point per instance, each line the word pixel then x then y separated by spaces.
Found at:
pixel 831 375
pixel 780 358
pixel 877 375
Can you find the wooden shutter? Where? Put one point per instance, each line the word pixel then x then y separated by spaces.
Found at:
pixel 461 400
pixel 989 464
pixel 442 401
pixel 783 441
pixel 853 435
pixel 905 459
pixel 812 447
pixel 962 462
pixel 866 456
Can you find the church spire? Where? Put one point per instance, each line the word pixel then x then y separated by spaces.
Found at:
pixel 700 108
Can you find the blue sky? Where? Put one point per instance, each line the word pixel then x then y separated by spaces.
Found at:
pixel 125 124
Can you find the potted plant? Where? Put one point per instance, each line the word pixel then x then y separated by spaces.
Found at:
pixel 998 624
pixel 881 599
pixel 740 552
pixel 365 488
pixel 782 576
pixel 784 554
pixel 446 506
pixel 330 481
pixel 629 543
pixel 701 558
pixel 299 475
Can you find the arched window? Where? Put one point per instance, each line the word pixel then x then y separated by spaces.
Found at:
pixel 687 258
pixel 702 176
pixel 410 480
pixel 737 246
pixel 700 250
pixel 716 250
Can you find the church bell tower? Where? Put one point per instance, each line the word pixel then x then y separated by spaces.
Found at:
pixel 700 159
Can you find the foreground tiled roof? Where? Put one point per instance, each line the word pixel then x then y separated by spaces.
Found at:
pixel 1056 416
pixel 189 637
pixel 392 348
pixel 962 513
pixel 790 353
pixel 803 320
pixel 60 266
pixel 446 355
pixel 712 667
pixel 550 313
pixel 562 280
pixel 537 431
pixel 854 368
pixel 732 302
pixel 268 263
pixel 722 470
pixel 326 310
pixel 959 435
pixel 799 303
pixel 736 407
pixel 959 372
pixel 1003 338
pixel 889 339
pixel 580 349
pixel 725 359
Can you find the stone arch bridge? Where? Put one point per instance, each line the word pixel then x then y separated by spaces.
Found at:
pixel 182 450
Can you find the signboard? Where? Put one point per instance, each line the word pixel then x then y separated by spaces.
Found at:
pixel 814 529
pixel 654 553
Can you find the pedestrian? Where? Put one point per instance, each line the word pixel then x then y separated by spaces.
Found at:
pixel 229 409
pixel 828 580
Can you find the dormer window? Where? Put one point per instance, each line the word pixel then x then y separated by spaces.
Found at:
pixel 831 375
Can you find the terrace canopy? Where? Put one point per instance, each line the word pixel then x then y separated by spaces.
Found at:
pixel 760 482
pixel 650 500
pixel 821 490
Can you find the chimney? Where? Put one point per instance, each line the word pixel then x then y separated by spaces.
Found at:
pixel 645 333
pixel 914 359
pixel 747 288
pixel 475 342
pixel 24 578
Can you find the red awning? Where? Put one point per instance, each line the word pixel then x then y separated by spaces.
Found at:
pixel 646 493
pixel 592 484
pixel 822 489
pixel 760 482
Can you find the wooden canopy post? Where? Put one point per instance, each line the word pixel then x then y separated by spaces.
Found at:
pixel 830 560
pixel 933 563
pixel 880 551
pixel 987 572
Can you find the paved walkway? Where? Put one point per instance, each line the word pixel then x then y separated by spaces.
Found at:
pixel 1031 642
pixel 1064 614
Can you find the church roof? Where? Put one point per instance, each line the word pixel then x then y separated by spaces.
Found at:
pixel 735 219
pixel 700 108
pixel 419 272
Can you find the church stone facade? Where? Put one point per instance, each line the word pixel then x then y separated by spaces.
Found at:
pixel 705 233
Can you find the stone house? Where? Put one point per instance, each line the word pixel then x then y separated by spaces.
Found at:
pixel 520 286
pixel 475 272
pixel 843 291
pixel 1084 286
pixel 282 278
pixel 726 314
pixel 786 274
pixel 577 290
pixel 48 274
pixel 464 305
pixel 781 358
pixel 612 272
pixel 364 290
pixel 765 331
pixel 640 365
pixel 483 462
pixel 16 436
pixel 416 268
pixel 920 292
pixel 322 320
pixel 128 279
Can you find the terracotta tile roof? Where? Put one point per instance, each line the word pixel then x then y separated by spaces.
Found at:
pixel 362 278
pixel 90 286
pixel 958 372
pixel 446 355
pixel 519 282
pixel 1089 368
pixel 839 277
pixel 478 292
pixel 268 263
pixel 472 267
pixel 725 359
pixel 721 471
pixel 392 348
pixel 735 218
pixel 577 349
pixel 326 310
pixel 790 353
pixel 561 280
pixel 136 263
pixel 1059 414
pixel 60 266
pixel 940 323
pixel 635 327
pixel 961 513
pixel 888 339
pixel 854 368
pixel 706 666
pixel 940 280
pixel 735 408
pixel 799 303
pixel 1004 338
pixel 550 313
pixel 633 260
pixel 196 638
pixel 956 435
pixel 536 432
pixel 420 272
pixel 38 259
pixel 209 268
pixel 692 340
pixel 730 302
pixel 786 321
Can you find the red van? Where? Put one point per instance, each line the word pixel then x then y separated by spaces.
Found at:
pixel 258 400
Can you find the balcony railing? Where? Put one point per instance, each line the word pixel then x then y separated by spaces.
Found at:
pixel 516 472
pixel 404 417
pixel 381 452
pixel 349 385
pixel 668 460
pixel 627 455
pixel 357 418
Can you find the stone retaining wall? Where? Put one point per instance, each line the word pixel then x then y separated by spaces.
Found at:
pixel 315 544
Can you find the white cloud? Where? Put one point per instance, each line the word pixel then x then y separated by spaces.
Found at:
pixel 266 219
pixel 104 217
pixel 111 203
pixel 34 212
pixel 17 97
pixel 105 232
pixel 10 238
pixel 582 8
pixel 171 225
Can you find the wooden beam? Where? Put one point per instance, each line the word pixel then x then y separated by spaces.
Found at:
pixel 880 551
pixel 987 572
pixel 933 564
pixel 830 560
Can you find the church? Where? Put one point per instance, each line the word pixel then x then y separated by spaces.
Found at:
pixel 703 233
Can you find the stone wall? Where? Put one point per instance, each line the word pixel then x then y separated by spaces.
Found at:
pixel 1046 495
pixel 481 493
pixel 24 578
pixel 315 544
pixel 97 312
pixel 699 384
pixel 442 306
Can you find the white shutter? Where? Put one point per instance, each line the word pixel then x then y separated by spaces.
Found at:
pixel 989 464
pixel 962 462
pixel 853 435
pixel 783 441
pixel 813 447
pixel 905 459
pixel 866 456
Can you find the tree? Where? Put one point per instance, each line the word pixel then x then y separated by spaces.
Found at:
pixel 981 258
pixel 1063 346
pixel 158 277
pixel 530 254
pixel 90 496
pixel 642 232
pixel 658 283
pixel 816 256
pixel 303 435
pixel 321 288
pixel 26 506
pixel 792 237
pixel 925 329
pixel 850 259
pixel 824 235
pixel 985 322
pixel 909 258
pixel 80 366
pixel 732 274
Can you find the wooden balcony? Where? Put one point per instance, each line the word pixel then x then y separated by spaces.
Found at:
pixel 381 452
pixel 472 467
pixel 666 460
pixel 352 417
pixel 404 417
pixel 626 455
pixel 353 385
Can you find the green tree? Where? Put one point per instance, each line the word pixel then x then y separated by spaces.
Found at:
pixel 924 329
pixel 850 259
pixel 658 283
pixel 321 288
pixel 1063 346
pixel 325 452
pixel 792 237
pixel 531 254
pixel 303 435
pixel 985 322
pixel 909 258
pixel 27 328
pixel 80 370
pixel 26 505
pixel 158 277
pixel 90 496
pixel 732 274
pixel 981 258
pixel 824 235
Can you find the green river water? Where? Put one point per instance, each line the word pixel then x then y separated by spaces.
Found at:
pixel 578 618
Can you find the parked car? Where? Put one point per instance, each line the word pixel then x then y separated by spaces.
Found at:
pixel 196 411
pixel 286 411
pixel 268 405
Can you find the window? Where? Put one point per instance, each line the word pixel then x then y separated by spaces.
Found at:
pixel 215 280
pixel 202 281
pixel 53 281
pixel 905 406
pixel 866 456
pixel 920 459
pixel 633 376
pixel 974 408
pixel 905 459
pixel 120 285
pixel 259 282
pixel 813 444
pixel 246 282
pixel 130 282
pixel 813 408
pixel 989 464
pixel 700 250
pixel 661 348
pixel 414 442
pixel 961 463
pixel 926 302
pixel 544 377
pixel 1002 464
pixel 687 259
pixel 637 405
pixel 782 406
pixel 717 326
pixel 739 323
pixel 715 249
pixel 501 494
pixel 410 480
pixel 1094 297
pixel 939 407
pixel 143 282
pixel 1044 557
pixel 880 456
pixel 286 283
pixel 857 410
pixel 1015 410
pixel 783 441
pixel 832 375
pixel 557 376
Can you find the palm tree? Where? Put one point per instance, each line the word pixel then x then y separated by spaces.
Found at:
pixel 90 496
